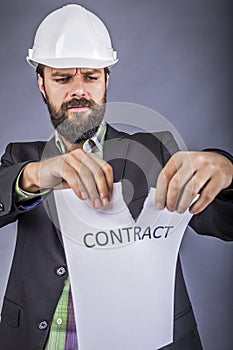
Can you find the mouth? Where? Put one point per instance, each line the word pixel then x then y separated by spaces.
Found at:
pixel 78 108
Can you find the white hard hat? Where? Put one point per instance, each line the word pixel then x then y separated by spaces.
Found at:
pixel 72 37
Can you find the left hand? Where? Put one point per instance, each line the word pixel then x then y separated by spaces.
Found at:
pixel 187 174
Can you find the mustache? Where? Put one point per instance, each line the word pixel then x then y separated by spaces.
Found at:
pixel 75 102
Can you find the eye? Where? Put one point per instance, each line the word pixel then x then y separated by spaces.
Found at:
pixel 62 80
pixel 91 77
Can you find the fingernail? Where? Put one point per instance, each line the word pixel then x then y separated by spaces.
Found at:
pixel 192 211
pixel 159 206
pixel 97 203
pixel 105 202
pixel 84 195
pixel 171 209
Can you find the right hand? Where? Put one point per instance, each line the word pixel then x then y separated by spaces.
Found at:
pixel 88 176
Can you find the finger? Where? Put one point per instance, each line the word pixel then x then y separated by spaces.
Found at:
pixel 64 185
pixel 89 186
pixel 175 189
pixel 207 195
pixel 70 179
pixel 91 180
pixel 95 175
pixel 180 186
pixel 61 186
pixel 107 172
pixel 83 191
pixel 81 178
pixel 161 191
pixel 164 178
pixel 101 173
pixel 104 183
pixel 190 191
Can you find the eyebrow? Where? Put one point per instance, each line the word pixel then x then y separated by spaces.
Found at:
pixel 92 71
pixel 63 74
pixel 60 74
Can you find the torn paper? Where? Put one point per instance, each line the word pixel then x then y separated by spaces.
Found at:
pixel 122 272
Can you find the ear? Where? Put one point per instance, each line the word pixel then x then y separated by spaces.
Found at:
pixel 40 82
pixel 107 80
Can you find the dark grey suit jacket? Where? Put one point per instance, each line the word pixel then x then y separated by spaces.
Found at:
pixel 39 266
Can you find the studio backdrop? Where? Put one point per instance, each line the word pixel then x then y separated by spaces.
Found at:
pixel 175 57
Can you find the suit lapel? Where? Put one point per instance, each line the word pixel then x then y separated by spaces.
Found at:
pixel 115 151
pixel 50 149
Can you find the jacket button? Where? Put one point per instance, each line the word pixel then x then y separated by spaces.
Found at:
pixel 43 325
pixel 1 207
pixel 61 271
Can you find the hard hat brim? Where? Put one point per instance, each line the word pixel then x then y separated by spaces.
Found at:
pixel 71 62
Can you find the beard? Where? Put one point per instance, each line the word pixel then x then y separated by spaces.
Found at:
pixel 80 126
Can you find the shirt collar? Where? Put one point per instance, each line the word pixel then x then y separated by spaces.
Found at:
pixel 94 143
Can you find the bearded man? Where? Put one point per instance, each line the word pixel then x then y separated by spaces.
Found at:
pixel 72 52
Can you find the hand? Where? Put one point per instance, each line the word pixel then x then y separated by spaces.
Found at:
pixel 188 173
pixel 89 176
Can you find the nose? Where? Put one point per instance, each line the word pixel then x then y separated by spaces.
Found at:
pixel 77 88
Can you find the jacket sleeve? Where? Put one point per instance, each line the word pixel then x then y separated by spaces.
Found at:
pixel 217 219
pixel 10 168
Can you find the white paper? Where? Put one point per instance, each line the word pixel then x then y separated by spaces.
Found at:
pixel 122 272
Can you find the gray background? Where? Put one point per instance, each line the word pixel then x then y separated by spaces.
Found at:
pixel 176 58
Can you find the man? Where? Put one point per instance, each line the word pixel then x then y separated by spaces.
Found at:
pixel 72 52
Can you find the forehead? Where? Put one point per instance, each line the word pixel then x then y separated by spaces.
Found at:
pixel 73 71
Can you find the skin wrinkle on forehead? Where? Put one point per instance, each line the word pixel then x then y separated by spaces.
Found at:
pixel 73 71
